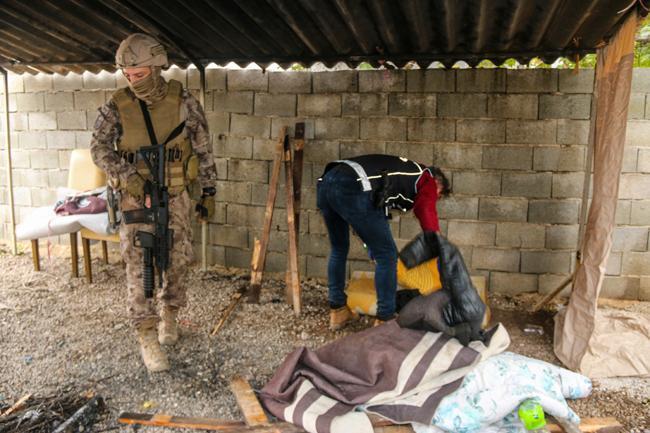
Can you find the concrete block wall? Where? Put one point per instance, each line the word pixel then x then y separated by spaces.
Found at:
pixel 513 142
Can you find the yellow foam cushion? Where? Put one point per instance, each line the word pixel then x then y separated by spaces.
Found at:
pixel 423 277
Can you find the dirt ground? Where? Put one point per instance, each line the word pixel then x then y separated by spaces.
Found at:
pixel 58 333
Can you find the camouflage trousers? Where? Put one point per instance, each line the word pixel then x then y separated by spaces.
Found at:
pixel 173 292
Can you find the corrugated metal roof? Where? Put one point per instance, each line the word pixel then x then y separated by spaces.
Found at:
pixel 77 35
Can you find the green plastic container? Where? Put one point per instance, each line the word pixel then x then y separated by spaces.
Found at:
pixel 531 414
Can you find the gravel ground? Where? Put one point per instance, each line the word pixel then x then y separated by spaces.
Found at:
pixel 59 332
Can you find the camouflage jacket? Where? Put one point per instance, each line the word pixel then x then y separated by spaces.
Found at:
pixel 108 130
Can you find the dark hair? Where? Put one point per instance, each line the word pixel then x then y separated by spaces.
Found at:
pixel 442 180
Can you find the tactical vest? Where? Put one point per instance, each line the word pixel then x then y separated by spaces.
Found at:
pixel 165 117
pixel 392 179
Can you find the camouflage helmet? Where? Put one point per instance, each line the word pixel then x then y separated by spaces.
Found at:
pixel 140 50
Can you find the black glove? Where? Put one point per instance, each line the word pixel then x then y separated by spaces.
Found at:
pixel 205 206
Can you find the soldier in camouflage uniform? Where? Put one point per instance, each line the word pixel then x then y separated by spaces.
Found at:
pixel 119 131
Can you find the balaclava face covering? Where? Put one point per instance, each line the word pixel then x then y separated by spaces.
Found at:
pixel 152 88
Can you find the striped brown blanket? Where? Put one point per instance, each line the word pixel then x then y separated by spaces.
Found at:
pixel 400 374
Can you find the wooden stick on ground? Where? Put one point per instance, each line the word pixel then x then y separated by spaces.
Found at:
pixel 233 304
pixel 16 406
pixel 293 280
pixel 248 403
pixel 546 299
pixel 258 267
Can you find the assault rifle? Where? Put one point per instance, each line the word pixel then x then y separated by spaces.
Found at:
pixel 156 245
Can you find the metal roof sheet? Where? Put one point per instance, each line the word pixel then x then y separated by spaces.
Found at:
pixel 77 35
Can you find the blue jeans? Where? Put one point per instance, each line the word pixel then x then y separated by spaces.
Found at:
pixel 343 204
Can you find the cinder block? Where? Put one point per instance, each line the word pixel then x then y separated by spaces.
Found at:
pixel 58 101
pixel 264 148
pixel 546 262
pixel 531 80
pixel 647 108
pixel 644 290
pixel 640 80
pixel 313 245
pixel 15 83
pixel 471 233
pixel 456 207
pixel 371 104
pixel 316 267
pixel 248 170
pixel 383 129
pixel 321 151
pixel 635 263
pixel 643 164
pixel 457 156
pixel 640 212
pixel 630 239
pixel 101 80
pixel 623 212
pixel 531 185
pixel 548 283
pixel 420 152
pixel 572 82
pixel 508 158
pixel 572 131
pixel 477 183
pixel 244 215
pixel 290 122
pixel 462 105
pixel 409 227
pixel 193 79
pixel 32 140
pixel 82 139
pixel 319 105
pixel 570 158
pixel 44 159
pixel 512 283
pixel 335 128
pixel 481 131
pixel 17 122
pixel 60 140
pixel 180 75
pixel 614 263
pixel 222 168
pixel 229 236
pixel 22 197
pixel 234 192
pixel 290 82
pixel 88 100
pixel 219 123
pixel 560 237
pixel 520 235
pixel 215 79
pixel 43 196
pixel 30 102
pixel 382 81
pixel 41 121
pixel 350 149
pixel 403 104
pixel 431 130
pixel 531 131
pixel 64 159
pixel 37 83
pixel 247 79
pixel 481 80
pixel 554 211
pixel 31 178
pixel 636 108
pixel 568 185
pixel 236 147
pixel 335 81
pixel 634 186
pixel 267 104
pixel 565 106
pixel 513 106
pixel 256 126
pixel 237 258
pixel 502 209
pixel 19 159
pixel 637 133
pixel 71 120
pixel 233 102
pixel 621 288
pixel 494 259
pixel 430 80
pixel 630 156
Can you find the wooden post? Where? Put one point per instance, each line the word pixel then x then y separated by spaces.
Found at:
pixel 88 269
pixel 105 251
pixel 7 140
pixel 35 255
pixel 299 145
pixel 257 269
pixel 292 278
pixel 74 255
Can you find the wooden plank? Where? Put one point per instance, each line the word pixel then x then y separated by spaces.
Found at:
pixel 248 403
pixel 258 267
pixel 74 255
pixel 35 255
pixel 233 304
pixel 298 150
pixel 88 269
pixel 293 279
pixel 17 406
pixel 588 425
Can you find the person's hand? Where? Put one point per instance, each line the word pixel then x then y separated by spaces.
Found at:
pixel 135 186
pixel 205 207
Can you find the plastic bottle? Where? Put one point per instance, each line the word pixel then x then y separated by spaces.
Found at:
pixel 531 415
